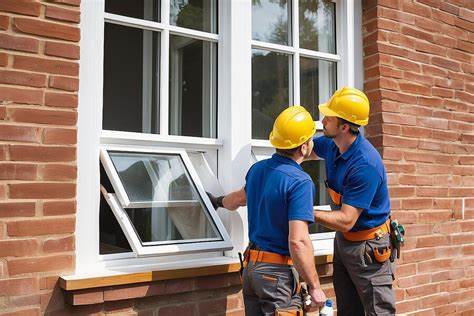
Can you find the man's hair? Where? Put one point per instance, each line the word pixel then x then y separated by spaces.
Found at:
pixel 353 128
pixel 289 152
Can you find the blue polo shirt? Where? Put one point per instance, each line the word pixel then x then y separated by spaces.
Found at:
pixel 278 191
pixel 359 175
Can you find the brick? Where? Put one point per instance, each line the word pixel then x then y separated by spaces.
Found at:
pixel 43 116
pixel 418 78
pixel 444 6
pixel 60 100
pixel 430 48
pixel 59 207
pixel 42 190
pixel 56 172
pixel 3 59
pixel 61 263
pixel 50 66
pixel 414 280
pixel 417 132
pixel 434 71
pixel 85 297
pixel 431 191
pixel 401 192
pixel 19 133
pixel 26 7
pixel 184 309
pixel 446 135
pixel 23 312
pixel 19 43
pixel 42 153
pixel 22 78
pixel 64 83
pixel 75 3
pixel 416 9
pixel 19 248
pixel 179 286
pixel 39 227
pixel 47 29
pixel 134 291
pixel 14 171
pixel 62 14
pixel 48 282
pixel 415 88
pixel 432 241
pixel 418 255
pixel 21 95
pixel 17 209
pixel 435 216
pixel 59 244
pixel 443 17
pixel 394 141
pixel 23 286
pixel 466 14
pixel 434 300
pixel 447 275
pixel 398 96
pixel 406 30
pixel 416 204
pixel 64 50
pixel 59 136
pixel 4 22
pixel 459 56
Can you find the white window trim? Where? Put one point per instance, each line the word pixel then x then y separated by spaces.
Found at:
pixel 234 143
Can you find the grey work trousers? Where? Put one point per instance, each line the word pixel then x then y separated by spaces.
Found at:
pixel 268 287
pixel 362 285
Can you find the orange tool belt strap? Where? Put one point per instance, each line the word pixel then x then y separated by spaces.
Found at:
pixel 369 234
pixel 268 257
pixel 335 197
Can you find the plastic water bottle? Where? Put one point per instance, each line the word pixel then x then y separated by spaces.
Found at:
pixel 327 309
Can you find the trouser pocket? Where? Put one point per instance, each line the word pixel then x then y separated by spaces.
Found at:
pixel 383 300
pixel 288 312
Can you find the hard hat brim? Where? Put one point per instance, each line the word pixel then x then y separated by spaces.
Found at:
pixel 326 111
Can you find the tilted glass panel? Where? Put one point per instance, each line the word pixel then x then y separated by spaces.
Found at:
pixel 317 25
pixel 194 14
pixel 131 79
pixel 318 81
pixel 270 90
pixel 139 9
pixel 193 73
pixel 316 170
pixel 271 21
pixel 172 208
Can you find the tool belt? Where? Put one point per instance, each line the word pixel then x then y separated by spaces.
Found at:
pixel 268 257
pixel 368 234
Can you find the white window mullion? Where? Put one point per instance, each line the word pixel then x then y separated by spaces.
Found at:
pixel 296 57
pixel 164 69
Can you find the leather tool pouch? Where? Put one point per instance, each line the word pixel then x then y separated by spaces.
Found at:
pixel 288 312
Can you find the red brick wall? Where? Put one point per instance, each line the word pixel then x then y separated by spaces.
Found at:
pixel 419 77
pixel 39 52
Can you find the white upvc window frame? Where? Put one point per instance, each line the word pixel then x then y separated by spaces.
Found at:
pixel 120 200
pixel 229 156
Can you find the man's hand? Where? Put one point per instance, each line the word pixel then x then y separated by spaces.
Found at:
pixel 216 201
pixel 318 298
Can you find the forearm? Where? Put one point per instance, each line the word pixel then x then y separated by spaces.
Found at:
pixel 234 200
pixel 302 255
pixel 342 220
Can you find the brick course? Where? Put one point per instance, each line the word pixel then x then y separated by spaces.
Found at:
pixel 418 55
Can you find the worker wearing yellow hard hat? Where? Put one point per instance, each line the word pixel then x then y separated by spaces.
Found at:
pixel 279 196
pixel 356 181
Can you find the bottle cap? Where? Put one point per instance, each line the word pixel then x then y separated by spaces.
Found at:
pixel 329 303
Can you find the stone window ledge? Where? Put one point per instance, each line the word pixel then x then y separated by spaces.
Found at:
pixel 97 289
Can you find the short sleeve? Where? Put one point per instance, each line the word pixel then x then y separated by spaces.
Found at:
pixel 360 186
pixel 300 201
pixel 322 144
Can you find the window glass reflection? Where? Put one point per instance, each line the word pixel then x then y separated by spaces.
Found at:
pixel 317 25
pixel 139 9
pixel 271 21
pixel 194 14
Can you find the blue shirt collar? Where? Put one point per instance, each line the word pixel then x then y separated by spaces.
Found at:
pixel 286 160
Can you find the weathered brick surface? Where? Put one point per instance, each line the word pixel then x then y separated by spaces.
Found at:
pixel 39 69
pixel 418 67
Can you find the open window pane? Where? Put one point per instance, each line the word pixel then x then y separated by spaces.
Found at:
pixel 193 96
pixel 318 82
pixel 139 9
pixel 270 90
pixel 160 203
pixel 131 79
pixel 317 25
pixel 194 14
pixel 271 21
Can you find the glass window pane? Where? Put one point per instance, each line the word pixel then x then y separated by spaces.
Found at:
pixel 317 25
pixel 194 14
pixel 318 82
pixel 271 21
pixel 192 95
pixel 139 9
pixel 270 90
pixel 131 79
pixel 316 170
pixel 178 213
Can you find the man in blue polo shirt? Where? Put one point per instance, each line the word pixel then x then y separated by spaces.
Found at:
pixel 279 196
pixel 357 184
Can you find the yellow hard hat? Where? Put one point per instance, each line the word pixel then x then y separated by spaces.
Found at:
pixel 292 128
pixel 349 104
